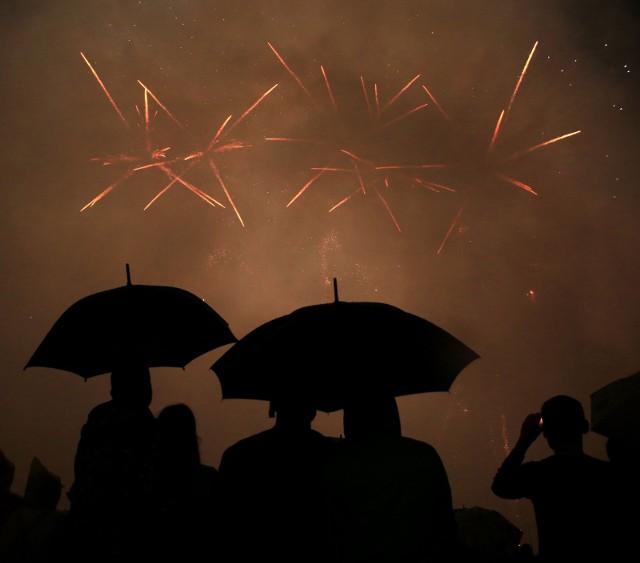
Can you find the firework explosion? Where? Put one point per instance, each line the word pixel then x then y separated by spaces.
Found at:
pixel 353 146
pixel 491 161
pixel 174 169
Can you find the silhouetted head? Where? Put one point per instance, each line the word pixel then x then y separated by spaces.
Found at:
pixel 7 472
pixel 178 418
pixel 563 422
pixel 177 427
pixel 371 416
pixel 132 383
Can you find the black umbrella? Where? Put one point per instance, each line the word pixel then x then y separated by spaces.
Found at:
pixel 615 409
pixel 155 325
pixel 487 533
pixel 334 351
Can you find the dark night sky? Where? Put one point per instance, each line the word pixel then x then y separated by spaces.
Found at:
pixel 543 286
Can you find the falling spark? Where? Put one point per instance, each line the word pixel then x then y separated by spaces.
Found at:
pixel 107 190
pixel 524 70
pixel 444 113
pixel 304 188
pixel 516 183
pixel 104 89
pixel 241 118
pixel 496 131
pixel 505 436
pixel 402 91
pixel 407 114
pixel 386 205
pixel 171 116
pixel 342 201
pixel 411 166
pixel 451 227
pixel 326 81
pixel 531 149
pixel 366 95
pixel 295 76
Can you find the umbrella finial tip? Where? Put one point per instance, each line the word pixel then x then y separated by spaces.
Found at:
pixel 335 289
pixel 128 274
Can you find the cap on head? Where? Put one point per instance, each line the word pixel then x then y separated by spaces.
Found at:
pixel 564 415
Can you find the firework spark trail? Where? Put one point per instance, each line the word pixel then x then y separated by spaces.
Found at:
pixel 451 227
pixel 356 170
pixel 107 190
pixel 307 185
pixel 366 95
pixel 444 113
pixel 295 76
pixel 156 154
pixel 343 201
pixel 331 98
pixel 496 132
pixel 175 178
pixel 386 205
pixel 402 91
pixel 241 118
pixel 407 114
pixel 549 142
pixel 164 108
pixel 521 77
pixel 411 166
pixel 104 89
pixel 433 185
pixel 213 166
pixel 516 183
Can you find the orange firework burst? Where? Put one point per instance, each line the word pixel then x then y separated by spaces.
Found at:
pixel 491 161
pixel 175 169
pixel 353 146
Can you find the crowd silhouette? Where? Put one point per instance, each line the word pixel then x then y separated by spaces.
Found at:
pixel 289 493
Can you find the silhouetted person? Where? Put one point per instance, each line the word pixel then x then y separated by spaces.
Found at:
pixel 189 489
pixel 571 491
pixel 389 495
pixel 9 500
pixel 34 532
pixel 114 497
pixel 272 484
pixel 624 457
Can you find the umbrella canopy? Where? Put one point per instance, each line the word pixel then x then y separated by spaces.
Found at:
pixel 334 351
pixel 486 533
pixel 155 325
pixel 615 409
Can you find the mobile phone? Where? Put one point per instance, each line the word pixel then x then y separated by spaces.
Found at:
pixel 540 423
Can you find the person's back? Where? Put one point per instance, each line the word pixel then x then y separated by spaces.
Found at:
pixel 9 500
pixel 571 491
pixel 272 484
pixel 189 489
pixel 113 499
pixel 624 457
pixel 389 496
pixel 35 532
